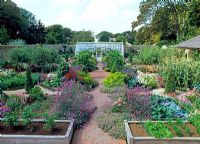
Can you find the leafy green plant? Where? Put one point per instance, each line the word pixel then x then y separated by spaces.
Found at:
pixel 49 122
pixel 86 80
pixel 115 79
pixel 87 61
pixel 36 93
pixel 63 68
pixel 195 121
pixel 14 103
pixel 188 131
pixel 11 119
pixel 149 82
pixel 161 111
pixel 114 60
pixel 177 130
pixel 179 73
pixel 17 42
pixel 27 117
pixel 157 129
pixel 132 82
pixel 29 82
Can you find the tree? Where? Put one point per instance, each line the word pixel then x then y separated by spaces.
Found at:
pixel 11 18
pixel 29 81
pixel 130 36
pixel 56 34
pixel 194 13
pixel 104 36
pixel 174 11
pixel 121 38
pixel 33 30
pixel 82 36
pixel 3 35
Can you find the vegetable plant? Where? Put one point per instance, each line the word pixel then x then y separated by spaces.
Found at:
pixel 157 130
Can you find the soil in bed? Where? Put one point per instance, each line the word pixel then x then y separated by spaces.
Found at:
pixel 60 129
pixel 138 130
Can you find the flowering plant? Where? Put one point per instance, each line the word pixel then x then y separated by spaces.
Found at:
pixel 119 106
pixel 3 109
pixel 73 102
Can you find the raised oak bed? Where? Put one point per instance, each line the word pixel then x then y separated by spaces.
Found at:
pixel 136 134
pixel 62 133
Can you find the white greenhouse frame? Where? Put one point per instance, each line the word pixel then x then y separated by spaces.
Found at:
pixel 99 46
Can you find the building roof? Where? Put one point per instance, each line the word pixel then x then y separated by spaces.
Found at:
pixel 193 43
pixel 80 46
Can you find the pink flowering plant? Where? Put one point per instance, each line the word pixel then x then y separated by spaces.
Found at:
pixel 73 102
pixel 119 106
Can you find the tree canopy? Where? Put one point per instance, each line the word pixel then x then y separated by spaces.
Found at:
pixel 167 21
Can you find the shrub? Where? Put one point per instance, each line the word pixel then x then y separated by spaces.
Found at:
pixel 87 61
pixel 16 81
pixel 180 73
pixel 3 109
pixel 34 55
pixel 147 56
pixel 20 55
pixel 17 42
pixel 86 80
pixel 74 102
pixel 113 123
pixel 132 82
pixel 63 68
pixel 11 119
pixel 29 82
pixel 115 61
pixel 36 93
pixel 149 81
pixel 52 82
pixel 115 79
pixel 155 55
pixel 13 103
pixel 27 117
pixel 119 106
pixel 49 122
pixel 139 101
pixel 129 71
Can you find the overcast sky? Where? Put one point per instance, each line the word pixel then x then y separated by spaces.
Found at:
pixel 95 15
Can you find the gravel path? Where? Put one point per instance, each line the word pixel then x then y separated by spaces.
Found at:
pixel 91 133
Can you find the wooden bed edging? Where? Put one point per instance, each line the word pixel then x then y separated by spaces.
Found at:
pixel 40 139
pixel 151 140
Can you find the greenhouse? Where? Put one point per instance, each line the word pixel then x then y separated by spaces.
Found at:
pixel 99 47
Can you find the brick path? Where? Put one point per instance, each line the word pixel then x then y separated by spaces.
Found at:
pixel 91 133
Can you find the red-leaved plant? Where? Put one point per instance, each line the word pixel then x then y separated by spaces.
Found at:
pixel 139 102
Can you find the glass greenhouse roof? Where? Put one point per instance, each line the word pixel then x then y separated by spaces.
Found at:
pixel 104 46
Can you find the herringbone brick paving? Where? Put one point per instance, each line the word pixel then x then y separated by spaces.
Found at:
pixel 91 133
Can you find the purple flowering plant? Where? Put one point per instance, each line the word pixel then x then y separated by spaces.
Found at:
pixel 72 101
pixel 3 109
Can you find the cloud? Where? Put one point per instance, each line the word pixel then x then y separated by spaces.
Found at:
pixel 96 15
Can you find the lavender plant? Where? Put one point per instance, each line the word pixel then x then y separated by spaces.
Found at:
pixel 73 102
